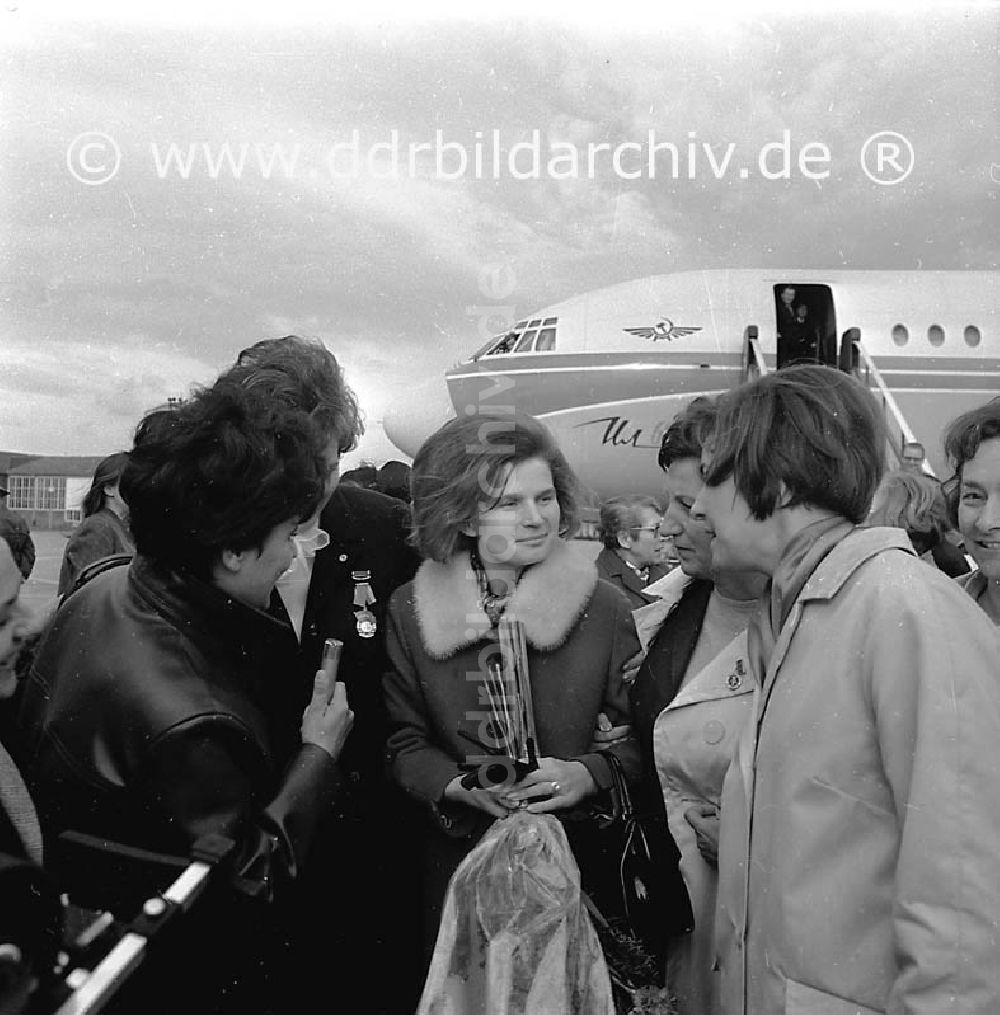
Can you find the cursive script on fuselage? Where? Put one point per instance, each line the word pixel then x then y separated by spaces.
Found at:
pixel 619 432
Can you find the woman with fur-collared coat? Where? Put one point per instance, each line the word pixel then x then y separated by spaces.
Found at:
pixel 490 513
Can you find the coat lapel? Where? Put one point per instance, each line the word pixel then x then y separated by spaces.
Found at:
pixel 664 667
pixel 549 599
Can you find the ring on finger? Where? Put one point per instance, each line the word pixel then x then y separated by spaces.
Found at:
pixel 556 788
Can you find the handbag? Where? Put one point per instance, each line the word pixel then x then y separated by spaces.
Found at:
pixel 622 890
pixel 629 891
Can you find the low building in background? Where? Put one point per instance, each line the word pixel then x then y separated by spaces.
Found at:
pixel 47 490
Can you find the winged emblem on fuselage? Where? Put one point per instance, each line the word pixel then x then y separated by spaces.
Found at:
pixel 664 328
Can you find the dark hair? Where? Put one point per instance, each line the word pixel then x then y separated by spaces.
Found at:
pixel 812 428
pixel 394 480
pixel 466 463
pixel 108 472
pixel 306 376
pixel 365 476
pixel 687 431
pixel 15 533
pixel 621 514
pixel 962 438
pixel 914 502
pixel 218 472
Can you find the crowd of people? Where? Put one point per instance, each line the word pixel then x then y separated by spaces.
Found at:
pixel 806 707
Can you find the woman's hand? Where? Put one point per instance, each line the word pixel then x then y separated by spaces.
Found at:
pixel 488 800
pixel 704 819
pixel 328 718
pixel 605 734
pixel 554 786
pixel 631 667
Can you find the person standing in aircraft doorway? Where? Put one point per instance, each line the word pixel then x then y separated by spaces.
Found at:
pixel 788 326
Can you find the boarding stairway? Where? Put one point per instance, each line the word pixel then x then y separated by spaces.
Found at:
pixel 903 450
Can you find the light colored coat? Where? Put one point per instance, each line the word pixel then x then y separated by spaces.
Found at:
pixel 874 847
pixel 693 742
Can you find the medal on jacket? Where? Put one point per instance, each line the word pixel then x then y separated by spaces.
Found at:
pixel 735 680
pixel 364 619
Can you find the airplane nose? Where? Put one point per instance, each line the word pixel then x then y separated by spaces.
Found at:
pixel 427 406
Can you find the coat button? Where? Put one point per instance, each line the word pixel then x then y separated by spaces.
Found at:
pixel 342 558
pixel 714 731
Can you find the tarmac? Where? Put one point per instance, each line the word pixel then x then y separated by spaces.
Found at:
pixel 38 593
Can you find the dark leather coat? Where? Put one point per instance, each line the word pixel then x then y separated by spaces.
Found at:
pixel 141 722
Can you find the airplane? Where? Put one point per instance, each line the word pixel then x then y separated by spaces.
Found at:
pixel 607 370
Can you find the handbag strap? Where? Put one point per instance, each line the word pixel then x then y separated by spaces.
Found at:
pixel 621 797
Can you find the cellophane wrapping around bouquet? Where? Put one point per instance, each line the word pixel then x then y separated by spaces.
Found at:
pixel 515 938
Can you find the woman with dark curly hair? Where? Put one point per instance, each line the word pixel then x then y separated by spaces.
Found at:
pixel 145 712
pixel 104 530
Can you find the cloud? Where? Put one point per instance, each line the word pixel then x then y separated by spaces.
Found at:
pixel 114 296
pixel 79 397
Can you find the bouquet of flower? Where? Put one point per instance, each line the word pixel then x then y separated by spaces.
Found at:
pixel 515 938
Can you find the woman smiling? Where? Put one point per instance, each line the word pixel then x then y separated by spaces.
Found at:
pixel 493 503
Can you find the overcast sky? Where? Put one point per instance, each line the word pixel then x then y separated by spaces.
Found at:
pixel 117 293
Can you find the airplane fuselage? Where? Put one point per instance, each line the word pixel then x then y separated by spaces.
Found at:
pixel 608 370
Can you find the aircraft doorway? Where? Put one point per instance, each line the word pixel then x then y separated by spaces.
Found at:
pixel 806 324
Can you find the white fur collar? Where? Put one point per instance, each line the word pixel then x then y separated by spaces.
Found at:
pixel 549 599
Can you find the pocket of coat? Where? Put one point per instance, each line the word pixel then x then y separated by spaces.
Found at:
pixel 803 1000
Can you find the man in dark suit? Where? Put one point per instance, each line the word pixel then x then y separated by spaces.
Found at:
pixel 360 878
pixel 789 327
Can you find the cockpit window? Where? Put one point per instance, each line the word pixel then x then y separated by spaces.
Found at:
pixel 506 344
pixel 525 336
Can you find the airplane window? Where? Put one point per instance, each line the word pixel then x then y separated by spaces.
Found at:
pixel 535 324
pixel 972 335
pixel 546 340
pixel 900 335
pixel 504 345
pixel 935 334
pixel 520 326
pixel 526 339
pixel 550 320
